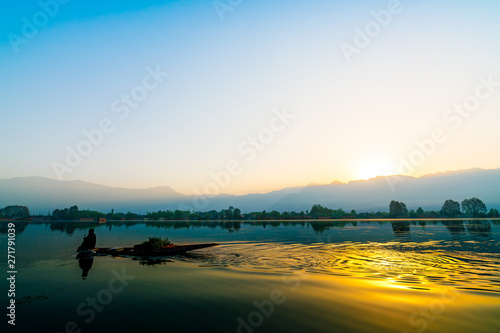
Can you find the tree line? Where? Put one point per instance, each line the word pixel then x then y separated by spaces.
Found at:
pixel 472 207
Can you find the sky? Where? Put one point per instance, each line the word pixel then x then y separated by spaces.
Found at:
pixel 240 96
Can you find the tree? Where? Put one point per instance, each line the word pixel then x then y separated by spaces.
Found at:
pixel 493 212
pixel 212 215
pixel 274 214
pixel 397 208
pixel 450 208
pixel 318 211
pixel 404 210
pixel 474 207
pixel 420 211
pixel 237 213
pixel 179 214
pixel 73 212
pixel 229 212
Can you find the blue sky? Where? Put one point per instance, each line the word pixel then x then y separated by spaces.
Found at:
pixel 226 78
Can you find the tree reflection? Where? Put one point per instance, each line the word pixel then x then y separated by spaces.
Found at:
pixel 401 228
pixel 478 228
pixel 20 226
pixel 322 226
pixel 456 228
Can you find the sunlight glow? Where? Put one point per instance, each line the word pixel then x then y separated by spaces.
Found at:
pixel 374 168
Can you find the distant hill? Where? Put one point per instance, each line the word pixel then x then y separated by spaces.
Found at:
pixel 42 194
pixel 428 192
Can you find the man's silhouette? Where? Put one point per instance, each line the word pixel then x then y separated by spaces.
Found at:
pixel 85 265
pixel 88 241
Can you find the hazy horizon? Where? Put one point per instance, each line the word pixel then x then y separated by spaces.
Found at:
pixel 261 192
pixel 250 98
pixel 430 192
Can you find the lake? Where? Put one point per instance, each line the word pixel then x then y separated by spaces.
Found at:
pixel 265 276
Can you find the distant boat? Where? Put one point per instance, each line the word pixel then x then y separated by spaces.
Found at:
pixel 101 220
pixel 139 252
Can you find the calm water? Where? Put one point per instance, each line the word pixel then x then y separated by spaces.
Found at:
pixel 404 276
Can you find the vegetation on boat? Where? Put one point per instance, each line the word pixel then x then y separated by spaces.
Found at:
pixel 154 244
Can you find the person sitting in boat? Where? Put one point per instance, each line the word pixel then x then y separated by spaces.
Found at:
pixel 88 241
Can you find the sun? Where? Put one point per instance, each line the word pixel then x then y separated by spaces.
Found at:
pixel 375 167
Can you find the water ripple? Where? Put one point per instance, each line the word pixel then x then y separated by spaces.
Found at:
pixel 413 265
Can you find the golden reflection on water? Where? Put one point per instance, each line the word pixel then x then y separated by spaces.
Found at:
pixel 342 287
pixel 381 287
pixel 416 266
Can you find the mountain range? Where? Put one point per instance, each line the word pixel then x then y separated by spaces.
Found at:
pixel 42 195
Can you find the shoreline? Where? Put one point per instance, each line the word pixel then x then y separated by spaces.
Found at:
pixel 275 220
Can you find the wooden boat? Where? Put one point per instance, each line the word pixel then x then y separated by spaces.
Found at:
pixel 140 252
pixel 85 254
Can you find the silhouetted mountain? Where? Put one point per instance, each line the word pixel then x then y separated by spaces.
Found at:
pixel 428 192
pixel 42 195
